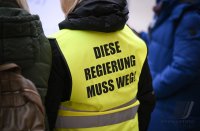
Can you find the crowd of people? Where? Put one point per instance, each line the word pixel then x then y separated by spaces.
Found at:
pixel 96 73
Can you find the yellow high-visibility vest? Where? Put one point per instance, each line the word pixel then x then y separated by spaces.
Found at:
pixel 105 70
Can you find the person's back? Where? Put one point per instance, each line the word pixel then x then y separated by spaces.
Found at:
pixel 22 42
pixel 98 64
pixel 174 63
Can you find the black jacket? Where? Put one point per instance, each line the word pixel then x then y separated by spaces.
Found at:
pixel 103 16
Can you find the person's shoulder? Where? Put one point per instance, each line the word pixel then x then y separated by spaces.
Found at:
pixel 63 34
pixel 57 34
pixel 190 21
pixel 192 16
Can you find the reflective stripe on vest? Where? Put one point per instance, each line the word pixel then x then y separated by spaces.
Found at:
pixel 98 120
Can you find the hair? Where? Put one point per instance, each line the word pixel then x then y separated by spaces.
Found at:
pixel 68 5
pixel 17 3
pixel 23 4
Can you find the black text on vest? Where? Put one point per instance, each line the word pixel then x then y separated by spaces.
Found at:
pixel 107 49
pixel 124 64
pixel 100 88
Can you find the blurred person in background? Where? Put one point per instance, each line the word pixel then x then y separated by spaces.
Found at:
pixel 174 59
pixel 100 74
pixel 22 41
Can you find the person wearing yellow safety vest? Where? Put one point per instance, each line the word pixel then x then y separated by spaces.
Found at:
pixel 100 74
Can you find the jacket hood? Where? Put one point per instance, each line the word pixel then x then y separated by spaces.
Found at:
pixel 173 9
pixel 17 22
pixel 97 15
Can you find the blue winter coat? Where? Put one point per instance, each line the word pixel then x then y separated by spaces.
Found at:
pixel 174 59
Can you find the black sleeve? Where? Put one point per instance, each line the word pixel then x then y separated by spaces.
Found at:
pixel 59 85
pixel 146 97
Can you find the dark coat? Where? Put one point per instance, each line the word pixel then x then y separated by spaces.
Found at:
pixel 174 60
pixel 22 41
pixel 103 16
